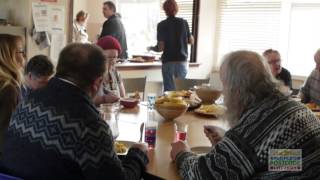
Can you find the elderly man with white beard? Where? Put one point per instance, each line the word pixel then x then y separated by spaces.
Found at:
pixel 261 120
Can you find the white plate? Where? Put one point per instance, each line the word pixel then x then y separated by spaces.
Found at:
pixel 201 149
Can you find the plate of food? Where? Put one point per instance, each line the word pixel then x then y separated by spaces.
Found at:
pixel 313 107
pixel 137 60
pixel 122 147
pixel 193 103
pixel 182 93
pixel 211 110
pixel 146 58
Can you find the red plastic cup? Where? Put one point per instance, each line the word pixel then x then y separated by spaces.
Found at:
pixel 181 131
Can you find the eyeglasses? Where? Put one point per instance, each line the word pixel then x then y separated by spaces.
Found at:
pixel 274 61
pixel 21 52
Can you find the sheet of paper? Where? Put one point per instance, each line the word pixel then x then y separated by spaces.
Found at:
pixel 57 17
pixel 57 44
pixel 40 15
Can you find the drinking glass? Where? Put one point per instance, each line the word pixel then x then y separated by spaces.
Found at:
pixel 181 131
pixel 110 114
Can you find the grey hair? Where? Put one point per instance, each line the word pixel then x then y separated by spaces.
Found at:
pixel 247 80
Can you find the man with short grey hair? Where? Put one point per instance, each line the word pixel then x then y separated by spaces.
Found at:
pixel 262 120
pixel 310 92
pixel 57 133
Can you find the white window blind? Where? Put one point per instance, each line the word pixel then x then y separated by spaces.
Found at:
pixel 248 25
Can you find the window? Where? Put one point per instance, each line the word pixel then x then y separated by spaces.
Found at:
pixel 140 18
pixel 289 26
pixel 253 25
pixel 304 38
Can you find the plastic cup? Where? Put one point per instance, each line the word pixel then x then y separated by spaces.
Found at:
pixel 181 131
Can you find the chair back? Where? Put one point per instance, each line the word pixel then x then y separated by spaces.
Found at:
pixel 186 84
pixel 132 85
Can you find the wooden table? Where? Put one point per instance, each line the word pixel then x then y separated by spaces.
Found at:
pixel 160 162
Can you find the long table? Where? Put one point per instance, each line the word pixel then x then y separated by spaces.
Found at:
pixel 160 162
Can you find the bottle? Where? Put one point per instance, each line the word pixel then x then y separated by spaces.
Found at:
pixel 150 134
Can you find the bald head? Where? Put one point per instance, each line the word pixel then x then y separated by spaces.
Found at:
pixel 81 63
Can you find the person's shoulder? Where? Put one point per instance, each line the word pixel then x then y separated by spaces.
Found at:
pixel 286 71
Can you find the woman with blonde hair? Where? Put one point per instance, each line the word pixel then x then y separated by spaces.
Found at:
pixel 11 65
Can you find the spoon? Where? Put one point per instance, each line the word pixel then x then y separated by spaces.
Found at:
pixel 141 131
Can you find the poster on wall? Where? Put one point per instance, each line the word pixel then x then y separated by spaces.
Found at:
pixel 57 19
pixel 57 44
pixel 40 16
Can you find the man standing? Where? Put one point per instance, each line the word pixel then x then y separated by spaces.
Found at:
pixel 279 72
pixel 114 27
pixel 57 133
pixel 310 92
pixel 173 36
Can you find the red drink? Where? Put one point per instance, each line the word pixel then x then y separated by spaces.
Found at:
pixel 150 136
pixel 181 135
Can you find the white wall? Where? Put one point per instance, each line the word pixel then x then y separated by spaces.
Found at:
pixel 206 39
pixel 20 14
pixel 79 5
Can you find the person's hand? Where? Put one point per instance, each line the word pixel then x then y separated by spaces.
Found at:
pixel 142 146
pixel 214 133
pixel 110 98
pixel 178 147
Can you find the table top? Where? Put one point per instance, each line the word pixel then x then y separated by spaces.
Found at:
pixel 160 162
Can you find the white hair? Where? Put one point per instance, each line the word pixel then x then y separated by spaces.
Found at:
pixel 247 80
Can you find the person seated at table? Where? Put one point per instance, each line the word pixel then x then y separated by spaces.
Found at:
pixel 260 118
pixel 57 133
pixel 113 85
pixel 274 60
pixel 310 92
pixel 37 73
pixel 11 65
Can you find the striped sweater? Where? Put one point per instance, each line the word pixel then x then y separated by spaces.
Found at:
pixel 275 123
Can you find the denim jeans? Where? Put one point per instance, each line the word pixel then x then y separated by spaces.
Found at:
pixel 172 70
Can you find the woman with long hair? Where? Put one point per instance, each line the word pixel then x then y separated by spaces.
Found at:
pixel 11 64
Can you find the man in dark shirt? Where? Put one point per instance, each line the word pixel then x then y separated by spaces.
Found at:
pixel 279 72
pixel 173 36
pixel 114 27
pixel 57 133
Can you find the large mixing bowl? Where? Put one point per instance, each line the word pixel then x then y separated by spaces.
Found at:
pixel 208 95
pixel 170 112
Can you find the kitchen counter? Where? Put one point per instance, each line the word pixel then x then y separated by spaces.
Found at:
pixel 144 65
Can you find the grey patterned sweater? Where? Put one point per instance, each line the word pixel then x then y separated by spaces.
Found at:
pixel 276 123
pixel 56 133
